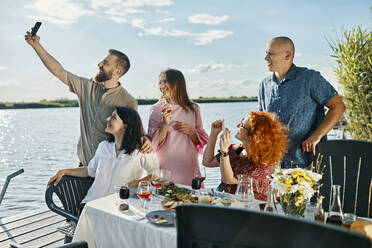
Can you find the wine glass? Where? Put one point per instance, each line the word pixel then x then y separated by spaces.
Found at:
pixel 199 177
pixel 144 192
pixel 160 177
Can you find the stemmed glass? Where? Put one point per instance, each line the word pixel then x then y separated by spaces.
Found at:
pixel 199 177
pixel 160 177
pixel 144 192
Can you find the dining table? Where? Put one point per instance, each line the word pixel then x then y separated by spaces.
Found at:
pixel 102 224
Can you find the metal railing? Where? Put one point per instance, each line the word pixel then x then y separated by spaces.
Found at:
pixel 7 181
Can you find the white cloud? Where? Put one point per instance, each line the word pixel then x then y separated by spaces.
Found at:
pixel 64 12
pixel 134 11
pixel 9 82
pixel 211 35
pixel 96 4
pixel 3 68
pixel 298 55
pixel 61 12
pixel 118 19
pixel 201 38
pixel 224 88
pixel 204 68
pixel 166 20
pixel 141 3
pixel 162 12
pixel 207 19
pixel 138 23
pixel 160 31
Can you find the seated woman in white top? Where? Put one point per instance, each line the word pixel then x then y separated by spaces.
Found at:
pixel 117 160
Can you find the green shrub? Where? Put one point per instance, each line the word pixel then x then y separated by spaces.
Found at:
pixel 353 53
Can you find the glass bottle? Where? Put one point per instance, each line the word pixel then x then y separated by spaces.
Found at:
pixel 270 202
pixel 319 212
pixel 335 214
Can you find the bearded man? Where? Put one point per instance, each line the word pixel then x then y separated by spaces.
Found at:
pixel 97 96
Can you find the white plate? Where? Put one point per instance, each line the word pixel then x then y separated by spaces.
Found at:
pixel 161 217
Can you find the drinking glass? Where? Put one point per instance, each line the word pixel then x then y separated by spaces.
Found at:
pixel 310 210
pixel 160 177
pixel 245 189
pixel 144 192
pixel 335 214
pixel 349 218
pixel 270 201
pixel 121 193
pixel 199 177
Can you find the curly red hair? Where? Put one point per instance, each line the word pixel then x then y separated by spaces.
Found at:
pixel 267 138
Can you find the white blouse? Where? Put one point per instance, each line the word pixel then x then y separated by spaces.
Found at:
pixel 110 171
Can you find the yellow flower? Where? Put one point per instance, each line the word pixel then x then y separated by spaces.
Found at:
pixel 299 200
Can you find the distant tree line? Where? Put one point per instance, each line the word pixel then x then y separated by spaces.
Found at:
pixel 62 103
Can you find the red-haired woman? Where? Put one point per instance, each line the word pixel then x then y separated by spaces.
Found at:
pixel 263 144
pixel 177 132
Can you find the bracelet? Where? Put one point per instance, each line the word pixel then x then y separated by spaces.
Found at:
pixel 223 154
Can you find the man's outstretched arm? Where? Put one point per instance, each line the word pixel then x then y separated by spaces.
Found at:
pixel 50 63
pixel 336 109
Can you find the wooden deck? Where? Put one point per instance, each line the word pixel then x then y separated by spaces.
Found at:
pixel 35 228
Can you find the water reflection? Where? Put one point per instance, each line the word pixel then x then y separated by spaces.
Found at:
pixel 44 140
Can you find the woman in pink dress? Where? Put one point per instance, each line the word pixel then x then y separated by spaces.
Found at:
pixel 263 144
pixel 176 129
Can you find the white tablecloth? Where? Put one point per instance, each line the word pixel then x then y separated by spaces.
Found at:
pixel 101 224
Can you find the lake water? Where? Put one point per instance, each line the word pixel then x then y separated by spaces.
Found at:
pixel 42 141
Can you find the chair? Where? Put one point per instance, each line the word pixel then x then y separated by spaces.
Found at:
pixel 71 191
pixel 351 151
pixel 78 244
pixel 201 226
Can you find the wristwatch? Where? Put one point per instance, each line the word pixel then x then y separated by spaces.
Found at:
pixel 223 154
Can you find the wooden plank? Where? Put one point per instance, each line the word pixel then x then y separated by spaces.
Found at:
pixel 26 221
pixel 24 215
pixel 32 228
pixel 27 237
pixel 50 240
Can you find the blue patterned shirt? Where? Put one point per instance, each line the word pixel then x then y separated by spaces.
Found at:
pixel 299 101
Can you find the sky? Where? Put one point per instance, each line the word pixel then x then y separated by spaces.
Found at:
pixel 219 45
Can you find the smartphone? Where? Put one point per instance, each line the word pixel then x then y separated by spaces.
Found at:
pixel 35 28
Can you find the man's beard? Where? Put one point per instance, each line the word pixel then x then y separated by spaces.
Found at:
pixel 103 76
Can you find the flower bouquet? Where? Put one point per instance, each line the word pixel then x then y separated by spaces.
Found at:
pixel 295 187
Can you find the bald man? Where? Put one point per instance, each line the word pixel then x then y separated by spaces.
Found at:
pixel 298 96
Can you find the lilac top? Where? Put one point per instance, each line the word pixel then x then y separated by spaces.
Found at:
pixel 177 152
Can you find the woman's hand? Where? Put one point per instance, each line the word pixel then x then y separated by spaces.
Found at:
pixel 183 127
pixel 216 127
pixel 57 177
pixel 135 182
pixel 146 145
pixel 166 112
pixel 225 140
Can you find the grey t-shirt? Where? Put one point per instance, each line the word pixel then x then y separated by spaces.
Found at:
pixel 96 104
